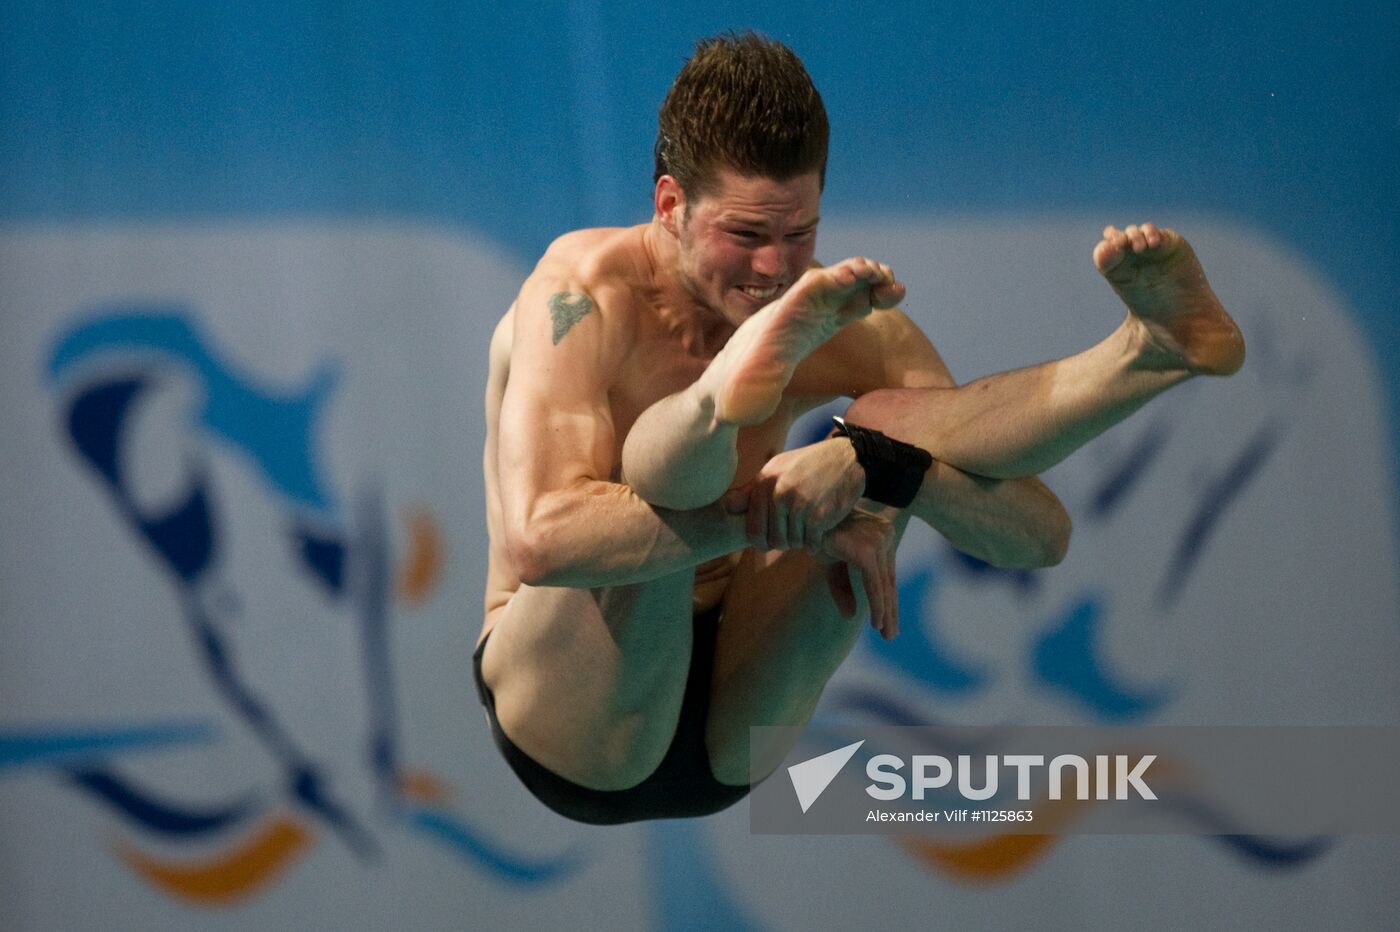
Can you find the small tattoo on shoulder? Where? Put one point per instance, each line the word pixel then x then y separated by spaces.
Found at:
pixel 567 308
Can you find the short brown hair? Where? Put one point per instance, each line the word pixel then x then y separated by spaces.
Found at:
pixel 745 103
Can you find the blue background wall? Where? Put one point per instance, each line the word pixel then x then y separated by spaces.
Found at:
pixel 523 122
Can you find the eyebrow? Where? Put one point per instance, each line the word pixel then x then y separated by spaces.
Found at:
pixel 748 221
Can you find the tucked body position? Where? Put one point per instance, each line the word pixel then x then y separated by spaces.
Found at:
pixel 663 575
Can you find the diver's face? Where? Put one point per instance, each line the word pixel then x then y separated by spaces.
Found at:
pixel 744 243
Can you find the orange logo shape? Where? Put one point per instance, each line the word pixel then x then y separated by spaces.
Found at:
pixel 228 877
pixel 422 567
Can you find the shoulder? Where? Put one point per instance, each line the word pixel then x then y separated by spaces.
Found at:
pixel 598 259
pixel 580 297
pixel 601 264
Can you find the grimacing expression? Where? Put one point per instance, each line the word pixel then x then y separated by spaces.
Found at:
pixel 745 242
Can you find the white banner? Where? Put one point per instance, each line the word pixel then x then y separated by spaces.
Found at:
pixel 244 556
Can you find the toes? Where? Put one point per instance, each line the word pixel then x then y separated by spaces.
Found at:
pixel 1116 238
pixel 887 295
pixel 872 271
pixel 863 269
pixel 1158 238
pixel 853 270
pixel 1107 255
pixel 1110 251
pixel 1134 239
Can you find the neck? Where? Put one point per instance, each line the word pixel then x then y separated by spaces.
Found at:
pixel 699 327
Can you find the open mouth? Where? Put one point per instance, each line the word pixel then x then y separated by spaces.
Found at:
pixel 760 294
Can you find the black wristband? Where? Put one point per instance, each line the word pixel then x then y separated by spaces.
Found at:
pixel 894 470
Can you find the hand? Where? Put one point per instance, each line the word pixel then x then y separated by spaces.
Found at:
pixel 799 496
pixel 866 543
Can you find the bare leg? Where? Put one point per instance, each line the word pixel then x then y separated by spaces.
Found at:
pixel 589 683
pixel 1020 423
pixel 782 636
pixel 681 454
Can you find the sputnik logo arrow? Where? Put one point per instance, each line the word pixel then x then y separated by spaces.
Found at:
pixel 811 777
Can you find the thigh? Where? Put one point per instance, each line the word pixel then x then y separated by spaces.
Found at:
pixel 783 634
pixel 589 683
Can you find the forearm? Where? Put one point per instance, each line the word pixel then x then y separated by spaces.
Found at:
pixel 602 534
pixel 1006 522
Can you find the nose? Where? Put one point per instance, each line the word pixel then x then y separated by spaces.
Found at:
pixel 769 261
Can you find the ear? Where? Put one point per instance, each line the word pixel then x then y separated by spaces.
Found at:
pixel 669 203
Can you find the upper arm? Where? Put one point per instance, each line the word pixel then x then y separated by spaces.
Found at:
pixel 556 427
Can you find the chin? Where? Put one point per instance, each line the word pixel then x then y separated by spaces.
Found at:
pixel 736 312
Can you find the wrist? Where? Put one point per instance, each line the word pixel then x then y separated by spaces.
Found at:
pixel 851 468
pixel 894 470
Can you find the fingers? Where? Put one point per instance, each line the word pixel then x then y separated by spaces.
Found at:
pixel 772 522
pixel 756 519
pixel 878 576
pixel 778 515
pixel 873 580
pixel 866 544
pixel 796 535
pixel 891 601
pixel 892 586
pixel 800 497
pixel 869 547
pixel 818 525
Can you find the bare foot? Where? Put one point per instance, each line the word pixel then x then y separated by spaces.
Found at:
pixel 750 373
pixel 1157 275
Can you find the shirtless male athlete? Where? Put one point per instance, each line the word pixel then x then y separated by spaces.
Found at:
pixel 661 576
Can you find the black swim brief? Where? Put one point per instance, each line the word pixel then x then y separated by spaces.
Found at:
pixel 682 786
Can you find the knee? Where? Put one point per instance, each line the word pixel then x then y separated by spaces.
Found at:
pixel 741 758
pixel 612 756
pixel 622 755
pixel 729 761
